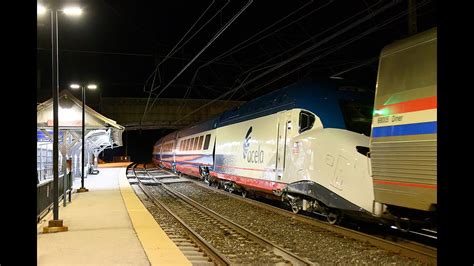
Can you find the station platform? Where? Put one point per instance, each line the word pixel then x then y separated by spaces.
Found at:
pixel 107 225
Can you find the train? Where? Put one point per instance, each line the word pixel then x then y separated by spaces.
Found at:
pixel 329 149
pixel 293 144
pixel 403 139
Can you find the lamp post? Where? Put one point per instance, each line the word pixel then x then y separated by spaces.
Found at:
pixel 56 225
pixel 90 87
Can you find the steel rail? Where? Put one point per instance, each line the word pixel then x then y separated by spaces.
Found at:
pixel 293 258
pixel 409 249
pixel 217 257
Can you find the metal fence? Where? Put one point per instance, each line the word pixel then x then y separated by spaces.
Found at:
pixel 44 161
pixel 44 194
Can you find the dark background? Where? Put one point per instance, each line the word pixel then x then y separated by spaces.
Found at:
pixel 118 44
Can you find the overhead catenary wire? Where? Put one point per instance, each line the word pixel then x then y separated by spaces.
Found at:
pixel 325 40
pixel 236 48
pixel 311 61
pixel 170 53
pixel 259 66
pixel 365 62
pixel 337 47
pixel 202 50
pixel 174 49
pixel 311 39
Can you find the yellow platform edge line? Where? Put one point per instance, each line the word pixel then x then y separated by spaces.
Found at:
pixel 158 247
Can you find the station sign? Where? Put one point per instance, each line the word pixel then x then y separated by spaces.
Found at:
pixel 42 137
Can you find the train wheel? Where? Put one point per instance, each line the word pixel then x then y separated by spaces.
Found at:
pixel 207 179
pixel 295 208
pixel 334 217
pixel 244 193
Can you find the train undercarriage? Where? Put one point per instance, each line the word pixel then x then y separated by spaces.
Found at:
pixel 305 196
pixel 311 197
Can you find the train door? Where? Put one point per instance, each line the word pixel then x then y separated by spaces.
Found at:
pixel 284 124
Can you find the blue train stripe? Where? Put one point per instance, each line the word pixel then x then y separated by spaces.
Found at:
pixel 408 129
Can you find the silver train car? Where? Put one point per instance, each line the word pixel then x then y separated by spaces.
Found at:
pixel 403 141
pixel 292 144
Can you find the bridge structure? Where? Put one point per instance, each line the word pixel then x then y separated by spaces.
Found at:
pixel 166 113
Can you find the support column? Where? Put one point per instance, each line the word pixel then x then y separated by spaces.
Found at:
pixel 55 225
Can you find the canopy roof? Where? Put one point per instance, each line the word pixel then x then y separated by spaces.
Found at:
pixel 70 114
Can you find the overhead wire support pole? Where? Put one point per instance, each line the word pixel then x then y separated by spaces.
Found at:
pixel 204 48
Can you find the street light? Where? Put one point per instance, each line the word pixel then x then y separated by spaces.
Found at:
pixel 55 225
pixel 90 87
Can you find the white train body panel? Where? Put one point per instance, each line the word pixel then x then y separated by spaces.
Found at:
pixel 329 157
pixel 254 154
pixel 256 149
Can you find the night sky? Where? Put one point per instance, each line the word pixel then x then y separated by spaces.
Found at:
pixel 118 44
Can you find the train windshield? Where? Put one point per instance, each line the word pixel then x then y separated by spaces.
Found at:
pixel 357 116
pixel 306 121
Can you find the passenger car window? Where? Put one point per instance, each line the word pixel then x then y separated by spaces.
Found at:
pixel 195 142
pixel 201 138
pixel 206 142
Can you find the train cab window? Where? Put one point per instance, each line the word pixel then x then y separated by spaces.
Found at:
pixel 357 116
pixel 201 138
pixel 206 141
pixel 306 121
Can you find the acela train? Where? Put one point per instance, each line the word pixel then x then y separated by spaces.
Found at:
pixel 303 144
pixel 292 144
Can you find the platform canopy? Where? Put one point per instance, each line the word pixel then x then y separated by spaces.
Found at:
pixel 101 132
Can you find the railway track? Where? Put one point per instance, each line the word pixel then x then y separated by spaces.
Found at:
pixel 423 253
pixel 194 248
pixel 221 240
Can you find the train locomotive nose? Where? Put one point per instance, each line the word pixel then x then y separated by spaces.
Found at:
pixel 338 179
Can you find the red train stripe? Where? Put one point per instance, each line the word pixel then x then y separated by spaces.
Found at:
pixel 383 182
pixel 259 184
pixel 410 106
pixel 241 168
